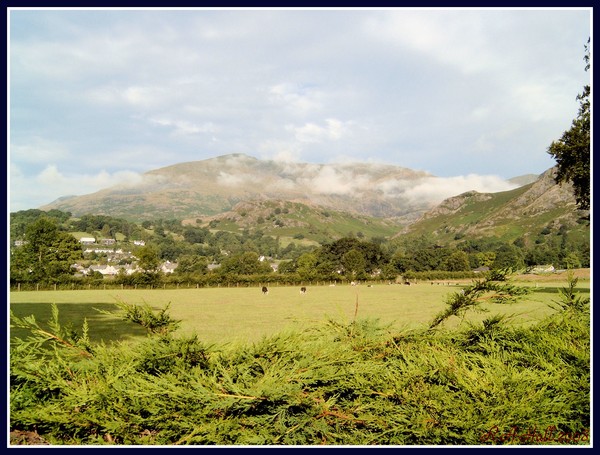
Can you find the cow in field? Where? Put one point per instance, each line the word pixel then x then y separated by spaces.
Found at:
pixel 265 290
pixel 302 290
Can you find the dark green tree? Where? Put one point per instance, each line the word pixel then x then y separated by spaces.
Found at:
pixel 456 261
pixel 354 264
pixel 148 258
pixel 508 257
pixel 47 253
pixel 572 150
pixel 306 266
pixel 247 263
pixel 191 264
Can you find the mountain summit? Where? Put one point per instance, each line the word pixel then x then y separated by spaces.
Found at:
pixel 215 185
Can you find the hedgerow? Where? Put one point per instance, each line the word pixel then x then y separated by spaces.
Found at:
pixel 356 384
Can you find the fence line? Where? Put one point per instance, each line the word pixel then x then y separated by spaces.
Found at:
pixel 24 287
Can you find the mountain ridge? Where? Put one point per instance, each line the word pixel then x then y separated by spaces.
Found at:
pixel 522 213
pixel 215 185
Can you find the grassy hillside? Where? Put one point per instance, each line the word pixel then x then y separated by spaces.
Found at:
pixel 527 213
pixel 298 221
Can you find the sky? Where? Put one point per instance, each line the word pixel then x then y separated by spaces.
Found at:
pixel 97 97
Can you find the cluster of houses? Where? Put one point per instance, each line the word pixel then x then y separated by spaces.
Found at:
pixel 124 260
pixel 114 256
pixel 112 270
pixel 92 241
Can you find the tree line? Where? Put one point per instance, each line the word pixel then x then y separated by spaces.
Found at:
pixel 44 249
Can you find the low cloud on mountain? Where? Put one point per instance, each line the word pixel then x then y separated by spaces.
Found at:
pixel 373 189
pixel 434 190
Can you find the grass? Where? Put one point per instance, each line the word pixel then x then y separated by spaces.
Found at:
pixel 222 315
pixel 309 369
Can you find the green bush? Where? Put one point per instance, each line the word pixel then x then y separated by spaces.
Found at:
pixel 333 384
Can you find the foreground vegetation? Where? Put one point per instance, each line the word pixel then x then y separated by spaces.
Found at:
pixel 354 383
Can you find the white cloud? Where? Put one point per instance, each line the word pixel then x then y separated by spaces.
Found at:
pixel 328 180
pixel 135 96
pixel 51 183
pixel 185 127
pixel 227 179
pixel 51 176
pixel 280 151
pixel 85 183
pixel 434 190
pixel 298 100
pixel 333 130
pixel 454 38
pixel 38 150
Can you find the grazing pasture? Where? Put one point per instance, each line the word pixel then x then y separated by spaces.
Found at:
pixel 244 314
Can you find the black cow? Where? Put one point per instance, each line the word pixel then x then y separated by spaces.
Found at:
pixel 302 290
pixel 265 290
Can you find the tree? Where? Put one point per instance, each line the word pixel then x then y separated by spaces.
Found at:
pixel 354 263
pixel 572 150
pixel 508 257
pixel 106 231
pixel 306 266
pixel 195 234
pixel 457 261
pixel 247 263
pixel 47 253
pixel 484 259
pixel 190 264
pixel 148 258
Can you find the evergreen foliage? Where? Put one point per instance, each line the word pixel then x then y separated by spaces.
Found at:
pixel 570 299
pixel 493 287
pixel 159 322
pixel 332 384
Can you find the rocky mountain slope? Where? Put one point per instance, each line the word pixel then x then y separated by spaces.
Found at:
pixel 524 212
pixel 316 200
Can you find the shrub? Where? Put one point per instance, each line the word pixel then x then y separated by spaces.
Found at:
pixel 331 384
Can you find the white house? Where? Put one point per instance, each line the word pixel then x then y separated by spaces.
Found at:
pixel 542 268
pixel 168 267
pixel 106 270
pixel 87 240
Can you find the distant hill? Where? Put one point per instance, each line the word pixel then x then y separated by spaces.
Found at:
pixel 525 212
pixel 320 201
pixel 216 185
pixel 295 220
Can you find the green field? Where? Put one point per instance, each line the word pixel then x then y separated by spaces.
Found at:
pixel 224 315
